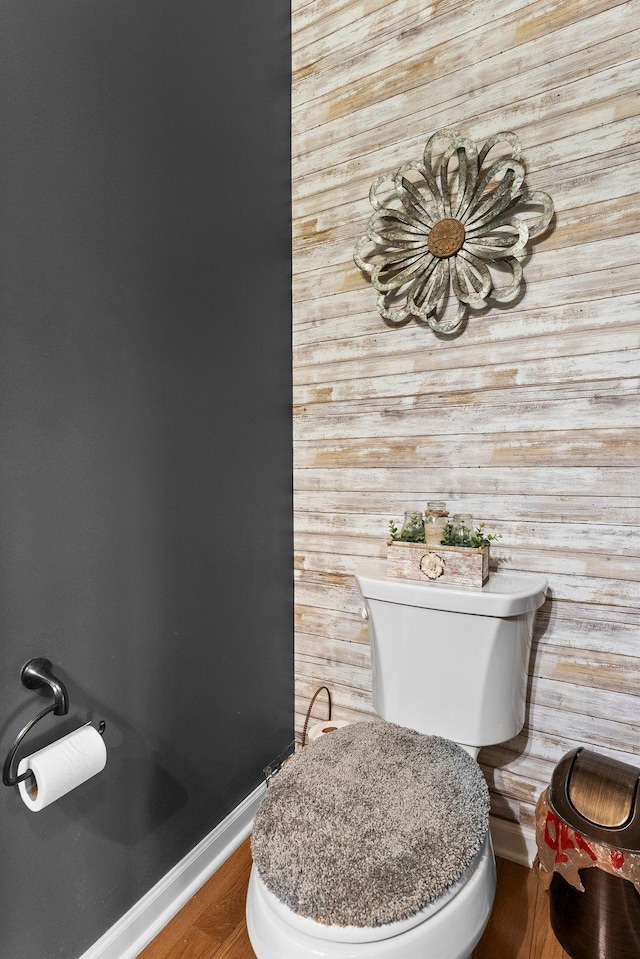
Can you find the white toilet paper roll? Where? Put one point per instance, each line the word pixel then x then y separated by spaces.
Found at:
pixel 61 766
pixel 328 726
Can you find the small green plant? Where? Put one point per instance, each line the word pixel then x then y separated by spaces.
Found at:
pixel 464 536
pixel 411 532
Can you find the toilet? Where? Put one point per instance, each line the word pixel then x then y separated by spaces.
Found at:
pixel 449 667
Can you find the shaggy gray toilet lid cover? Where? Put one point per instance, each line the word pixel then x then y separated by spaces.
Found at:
pixel 369 824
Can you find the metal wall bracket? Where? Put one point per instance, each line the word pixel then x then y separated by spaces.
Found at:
pixel 35 674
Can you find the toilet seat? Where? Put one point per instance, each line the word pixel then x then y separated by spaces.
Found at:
pixel 370 826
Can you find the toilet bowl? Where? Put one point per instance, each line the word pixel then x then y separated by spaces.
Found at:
pixel 447 929
pixel 450 663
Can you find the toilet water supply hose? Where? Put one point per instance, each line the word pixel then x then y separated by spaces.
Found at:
pixel 308 716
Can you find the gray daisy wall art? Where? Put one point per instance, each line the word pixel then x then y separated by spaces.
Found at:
pixel 449 232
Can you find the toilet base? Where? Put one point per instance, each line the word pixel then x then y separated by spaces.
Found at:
pixel 450 933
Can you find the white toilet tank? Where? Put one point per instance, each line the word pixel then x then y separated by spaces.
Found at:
pixel 452 661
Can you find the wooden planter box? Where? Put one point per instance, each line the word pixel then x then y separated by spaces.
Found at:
pixel 458 565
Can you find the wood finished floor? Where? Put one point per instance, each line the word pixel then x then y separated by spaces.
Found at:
pixel 212 924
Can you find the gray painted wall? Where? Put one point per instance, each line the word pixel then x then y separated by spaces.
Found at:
pixel 145 471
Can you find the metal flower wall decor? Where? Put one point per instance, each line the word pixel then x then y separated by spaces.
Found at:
pixel 448 232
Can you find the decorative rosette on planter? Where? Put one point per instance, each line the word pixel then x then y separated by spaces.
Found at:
pixel 450 232
pixel 432 565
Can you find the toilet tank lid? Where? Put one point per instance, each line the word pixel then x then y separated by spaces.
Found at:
pixel 504 594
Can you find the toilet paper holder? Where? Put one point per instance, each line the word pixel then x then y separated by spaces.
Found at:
pixel 35 674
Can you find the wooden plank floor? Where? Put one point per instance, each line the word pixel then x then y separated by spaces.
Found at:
pixel 212 924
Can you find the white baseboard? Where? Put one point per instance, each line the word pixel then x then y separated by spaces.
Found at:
pixel 149 915
pixel 514 842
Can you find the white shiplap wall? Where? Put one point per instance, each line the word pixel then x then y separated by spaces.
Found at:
pixel 531 419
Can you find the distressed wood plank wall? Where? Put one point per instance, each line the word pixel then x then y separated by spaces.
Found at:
pixel 531 419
